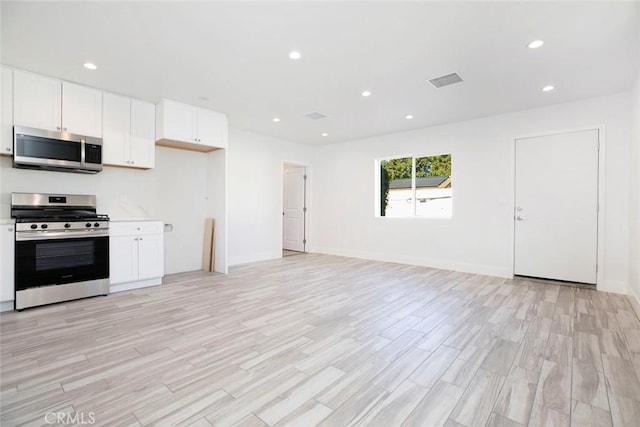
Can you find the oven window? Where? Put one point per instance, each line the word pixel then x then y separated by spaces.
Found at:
pixel 55 262
pixel 54 255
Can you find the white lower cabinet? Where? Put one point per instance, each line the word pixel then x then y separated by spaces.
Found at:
pixel 136 251
pixel 7 254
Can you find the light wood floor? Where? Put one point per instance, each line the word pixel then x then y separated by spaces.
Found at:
pixel 320 340
pixel 286 252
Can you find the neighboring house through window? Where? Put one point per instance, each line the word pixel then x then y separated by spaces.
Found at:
pixel 415 186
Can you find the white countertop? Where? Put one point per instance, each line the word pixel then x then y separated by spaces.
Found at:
pixel 130 219
pixel 133 219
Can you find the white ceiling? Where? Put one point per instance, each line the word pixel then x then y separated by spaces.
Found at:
pixel 236 55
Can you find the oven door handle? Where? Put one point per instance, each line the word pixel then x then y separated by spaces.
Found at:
pixel 55 235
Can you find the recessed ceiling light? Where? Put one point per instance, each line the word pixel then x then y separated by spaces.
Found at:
pixel 276 119
pixel 535 44
pixel 548 88
pixel 408 117
pixel 294 54
pixel 366 93
pixel 90 66
pixel 325 134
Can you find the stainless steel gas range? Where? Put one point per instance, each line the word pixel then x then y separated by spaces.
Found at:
pixel 62 248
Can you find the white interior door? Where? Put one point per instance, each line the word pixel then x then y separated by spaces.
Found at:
pixel 293 238
pixel 556 215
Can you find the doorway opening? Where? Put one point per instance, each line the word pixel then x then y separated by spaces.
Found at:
pixel 294 209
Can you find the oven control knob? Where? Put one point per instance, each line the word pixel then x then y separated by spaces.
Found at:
pixel 97 224
pixel 44 226
pixel 88 224
pixel 34 226
pixel 67 225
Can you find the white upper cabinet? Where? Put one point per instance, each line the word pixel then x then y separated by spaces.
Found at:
pixel 143 134
pixel 37 101
pixel 81 110
pixel 212 128
pixel 129 132
pixel 50 104
pixel 6 111
pixel 116 132
pixel 186 126
pixel 179 122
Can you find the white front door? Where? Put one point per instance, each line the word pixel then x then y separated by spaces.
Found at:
pixel 293 238
pixel 556 206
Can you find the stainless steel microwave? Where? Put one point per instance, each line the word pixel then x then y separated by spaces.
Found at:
pixel 61 151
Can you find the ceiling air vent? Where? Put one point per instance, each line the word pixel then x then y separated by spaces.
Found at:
pixel 447 80
pixel 315 116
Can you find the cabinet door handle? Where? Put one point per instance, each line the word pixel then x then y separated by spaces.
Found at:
pixel 58 127
pixel 64 129
pixel 10 228
pixel 8 148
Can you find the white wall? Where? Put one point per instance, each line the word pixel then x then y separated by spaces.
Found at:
pixel 174 192
pixel 479 236
pixel 216 204
pixel 255 173
pixel 634 253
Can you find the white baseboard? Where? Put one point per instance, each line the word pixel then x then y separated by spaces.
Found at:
pixel 121 287
pixel 6 306
pixel 613 286
pixel 634 300
pixel 246 259
pixel 486 270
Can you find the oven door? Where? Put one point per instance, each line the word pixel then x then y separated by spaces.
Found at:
pixel 56 261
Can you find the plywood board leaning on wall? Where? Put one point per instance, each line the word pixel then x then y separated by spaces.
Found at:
pixel 208 250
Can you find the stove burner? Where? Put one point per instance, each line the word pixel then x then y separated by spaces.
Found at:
pixel 63 218
pixel 51 208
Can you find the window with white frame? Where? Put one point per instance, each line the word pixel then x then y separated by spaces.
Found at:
pixel 415 187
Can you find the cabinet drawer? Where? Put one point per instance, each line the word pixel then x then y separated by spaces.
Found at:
pixel 135 228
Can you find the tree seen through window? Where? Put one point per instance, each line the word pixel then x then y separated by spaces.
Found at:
pixel 416 186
